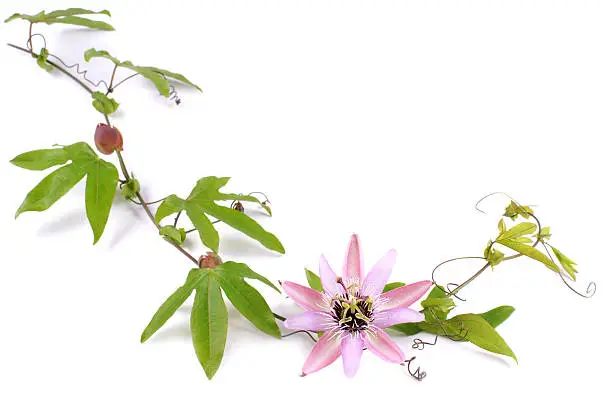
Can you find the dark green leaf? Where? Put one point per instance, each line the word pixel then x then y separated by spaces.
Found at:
pixel 241 270
pixel 248 301
pixel 41 159
pixel 102 179
pixel 209 324
pixel 104 104
pixel 531 252
pixel 314 281
pixel 52 188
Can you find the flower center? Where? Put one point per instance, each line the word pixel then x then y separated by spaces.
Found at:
pixel 352 312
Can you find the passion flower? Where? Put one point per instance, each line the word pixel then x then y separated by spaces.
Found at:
pixel 353 311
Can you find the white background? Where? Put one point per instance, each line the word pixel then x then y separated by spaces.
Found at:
pixel 386 118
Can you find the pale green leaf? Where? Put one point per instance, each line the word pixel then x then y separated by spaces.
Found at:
pixel 531 252
pixel 104 104
pixel 519 230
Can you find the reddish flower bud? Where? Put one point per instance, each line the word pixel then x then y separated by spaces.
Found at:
pixel 108 139
pixel 210 261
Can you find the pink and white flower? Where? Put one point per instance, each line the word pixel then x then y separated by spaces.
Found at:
pixel 353 311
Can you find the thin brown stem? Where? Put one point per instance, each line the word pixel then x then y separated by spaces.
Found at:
pixel 110 84
pixel 56 66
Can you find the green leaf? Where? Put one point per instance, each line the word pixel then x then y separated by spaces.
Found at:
pixel 494 317
pixel 313 280
pixel 74 12
pixel 176 235
pixel 567 264
pixel 41 159
pixel 156 75
pixel 545 234
pixel 241 270
pixel 480 333
pixel 248 301
pixel 83 22
pixel 244 224
pixel 493 256
pixel 519 230
pixel 208 234
pixel 170 306
pixel 393 285
pixel 531 252
pixel 207 189
pixel 171 205
pixel 67 16
pixel 209 324
pixel 102 179
pixel 52 188
pixel 501 226
pixel 513 211
pixel 104 104
pixel 437 305
pixel 41 60
pixel 201 202
pixel 497 316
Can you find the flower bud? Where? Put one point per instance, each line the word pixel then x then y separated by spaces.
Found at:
pixel 210 261
pixel 130 189
pixel 108 139
pixel 238 206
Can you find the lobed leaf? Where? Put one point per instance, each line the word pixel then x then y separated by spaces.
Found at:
pixel 67 16
pixel 566 263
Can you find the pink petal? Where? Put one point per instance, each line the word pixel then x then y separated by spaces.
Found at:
pixel 329 279
pixel 308 298
pixel 352 349
pixel 353 266
pixel 379 343
pixel 326 351
pixel 390 317
pixel 378 276
pixel 314 321
pixel 403 296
